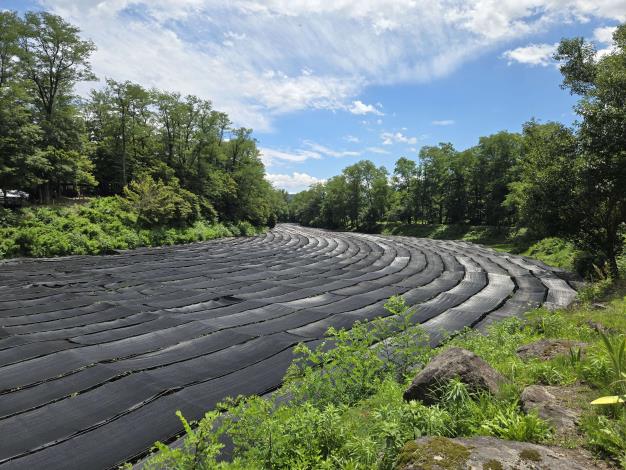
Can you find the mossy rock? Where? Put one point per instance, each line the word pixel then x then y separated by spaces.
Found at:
pixel 490 453
pixel 493 464
pixel 530 454
pixel 437 453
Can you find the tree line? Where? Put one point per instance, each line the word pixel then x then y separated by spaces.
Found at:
pixel 53 143
pixel 553 179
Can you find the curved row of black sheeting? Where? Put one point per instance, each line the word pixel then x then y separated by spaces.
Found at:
pixel 96 353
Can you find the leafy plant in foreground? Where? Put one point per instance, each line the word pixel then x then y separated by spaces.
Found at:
pixel 199 451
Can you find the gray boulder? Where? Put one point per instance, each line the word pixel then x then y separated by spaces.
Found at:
pixel 545 402
pixel 547 349
pixel 490 453
pixel 450 364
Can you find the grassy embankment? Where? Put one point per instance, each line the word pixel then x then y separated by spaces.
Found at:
pixel 99 226
pixel 346 408
pixel 552 251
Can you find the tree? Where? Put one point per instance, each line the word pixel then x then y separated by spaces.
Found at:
pixel 119 119
pixel 11 30
pixel 404 181
pixel 435 162
pixel 367 194
pixel 160 204
pixel 544 196
pixel 599 224
pixel 65 167
pixel 54 58
pixel 497 155
pixel 306 206
pixel 19 135
pixel 334 208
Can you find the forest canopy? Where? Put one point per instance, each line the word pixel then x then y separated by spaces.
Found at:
pixel 53 143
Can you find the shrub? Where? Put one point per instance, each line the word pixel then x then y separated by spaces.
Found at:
pixel 8 217
pixel 359 360
pixel 158 204
pixel 246 229
pixel 200 449
pixel 272 220
pixel 589 265
pixel 594 291
pixel 101 226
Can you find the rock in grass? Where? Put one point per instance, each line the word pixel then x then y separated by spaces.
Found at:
pixel 544 401
pixel 600 328
pixel 490 453
pixel 453 363
pixel 547 349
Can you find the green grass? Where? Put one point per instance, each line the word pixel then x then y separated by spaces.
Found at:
pixel 486 235
pixel 346 408
pixel 552 251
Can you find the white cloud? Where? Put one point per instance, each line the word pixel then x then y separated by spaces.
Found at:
pixel 541 54
pixel 351 139
pixel 443 122
pixel 314 151
pixel 257 59
pixel 294 182
pixel 360 108
pixel 321 149
pixel 273 157
pixel 533 54
pixel 605 36
pixel 390 138
pixel 377 150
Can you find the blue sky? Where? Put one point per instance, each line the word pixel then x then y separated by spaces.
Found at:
pixel 327 83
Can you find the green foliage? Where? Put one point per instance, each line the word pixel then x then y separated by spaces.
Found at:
pixel 565 185
pixel 447 186
pixel 53 146
pixel 98 227
pixel 593 291
pixel 351 364
pixel 608 436
pixel 616 352
pixel 333 413
pixel 554 252
pixel 158 204
pixel 199 451
pixel 597 219
pixel 510 424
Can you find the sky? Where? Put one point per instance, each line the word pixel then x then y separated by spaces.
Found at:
pixel 326 83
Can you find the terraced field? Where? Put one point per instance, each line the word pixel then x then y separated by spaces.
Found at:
pixel 96 353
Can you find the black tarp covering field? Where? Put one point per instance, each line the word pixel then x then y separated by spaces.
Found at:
pixel 97 353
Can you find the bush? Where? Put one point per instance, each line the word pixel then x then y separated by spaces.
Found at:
pixel 272 220
pixel 101 226
pixel 360 359
pixel 8 217
pixel 589 265
pixel 158 204
pixel 246 229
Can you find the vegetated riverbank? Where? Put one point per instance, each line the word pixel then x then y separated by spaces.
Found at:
pixel 101 226
pixel 346 407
